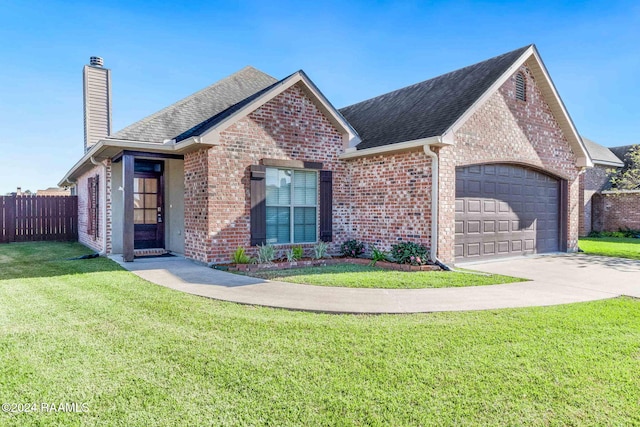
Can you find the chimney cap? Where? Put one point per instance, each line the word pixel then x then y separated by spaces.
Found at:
pixel 96 61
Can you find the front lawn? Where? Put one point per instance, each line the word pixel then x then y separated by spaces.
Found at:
pixel 362 276
pixel 138 354
pixel 611 246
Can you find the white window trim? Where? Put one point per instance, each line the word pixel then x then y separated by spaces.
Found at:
pixel 292 206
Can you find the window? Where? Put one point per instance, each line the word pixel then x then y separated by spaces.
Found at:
pixel 93 207
pixel 521 87
pixel 291 205
pixel 145 200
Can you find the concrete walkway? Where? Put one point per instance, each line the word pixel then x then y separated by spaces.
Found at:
pixel 556 279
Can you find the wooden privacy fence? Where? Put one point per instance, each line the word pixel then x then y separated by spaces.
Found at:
pixel 37 218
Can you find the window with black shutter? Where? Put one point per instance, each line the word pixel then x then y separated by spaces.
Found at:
pixel 93 206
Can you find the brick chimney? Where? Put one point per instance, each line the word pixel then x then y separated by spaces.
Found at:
pixel 96 81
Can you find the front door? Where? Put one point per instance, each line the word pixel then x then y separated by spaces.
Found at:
pixel 148 212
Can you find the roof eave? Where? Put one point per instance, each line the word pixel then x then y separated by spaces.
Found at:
pixel 108 148
pixel 434 141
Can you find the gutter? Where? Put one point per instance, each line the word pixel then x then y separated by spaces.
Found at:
pixel 188 145
pixel 352 153
pixel 104 205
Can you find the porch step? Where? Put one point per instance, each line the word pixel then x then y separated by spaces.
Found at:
pixel 149 252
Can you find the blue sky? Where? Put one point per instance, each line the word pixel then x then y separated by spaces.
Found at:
pixel 160 52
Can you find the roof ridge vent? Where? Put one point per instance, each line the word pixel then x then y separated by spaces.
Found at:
pixel 96 61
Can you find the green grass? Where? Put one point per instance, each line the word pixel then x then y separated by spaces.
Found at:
pixel 363 276
pixel 139 354
pixel 611 246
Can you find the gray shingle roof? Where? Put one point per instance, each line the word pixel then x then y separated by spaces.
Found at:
pixel 601 154
pixel 425 109
pixel 195 109
pixel 621 151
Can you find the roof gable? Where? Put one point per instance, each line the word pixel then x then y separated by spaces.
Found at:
pixel 436 108
pixel 428 108
pixel 183 115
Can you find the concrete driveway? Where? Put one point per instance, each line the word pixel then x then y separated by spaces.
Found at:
pixel 555 279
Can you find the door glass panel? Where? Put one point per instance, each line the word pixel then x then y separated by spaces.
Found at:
pixel 150 201
pixel 138 216
pixel 137 201
pixel 138 185
pixel 150 216
pixel 150 185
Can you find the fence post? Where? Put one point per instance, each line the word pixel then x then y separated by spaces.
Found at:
pixel 10 216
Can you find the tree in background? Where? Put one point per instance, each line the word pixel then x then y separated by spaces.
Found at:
pixel 628 178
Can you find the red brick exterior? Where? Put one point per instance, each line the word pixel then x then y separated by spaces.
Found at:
pixel 593 180
pixel 613 211
pixel 97 244
pixel 507 130
pixel 217 197
pixel 391 198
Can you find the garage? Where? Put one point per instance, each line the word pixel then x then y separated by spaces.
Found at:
pixel 504 210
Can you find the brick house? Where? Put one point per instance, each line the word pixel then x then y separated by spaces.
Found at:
pixel 594 180
pixel 478 163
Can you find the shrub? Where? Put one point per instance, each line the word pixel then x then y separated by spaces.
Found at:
pixel 410 253
pixel 320 250
pixel 623 232
pixel 297 252
pixel 377 255
pixel 352 248
pixel 266 254
pixel 240 257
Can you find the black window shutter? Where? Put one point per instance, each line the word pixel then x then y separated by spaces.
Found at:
pixel 326 206
pixel 90 205
pixel 258 205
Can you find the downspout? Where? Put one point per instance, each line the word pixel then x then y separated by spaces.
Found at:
pixel 433 253
pixel 104 204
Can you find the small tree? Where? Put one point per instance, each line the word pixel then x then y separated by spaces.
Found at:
pixel 628 178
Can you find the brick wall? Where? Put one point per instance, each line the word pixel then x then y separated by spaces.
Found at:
pixel 593 180
pixel 104 208
pixel 217 197
pixel 613 211
pixel 391 199
pixel 507 130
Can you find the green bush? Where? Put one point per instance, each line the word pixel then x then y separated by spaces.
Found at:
pixel 240 257
pixel 320 250
pixel 410 253
pixel 266 254
pixel 298 252
pixel 352 248
pixel 377 255
pixel 623 232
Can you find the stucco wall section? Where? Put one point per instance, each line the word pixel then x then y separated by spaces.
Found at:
pixel 217 196
pixel 507 130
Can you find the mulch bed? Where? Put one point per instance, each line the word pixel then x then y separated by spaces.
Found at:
pixel 285 265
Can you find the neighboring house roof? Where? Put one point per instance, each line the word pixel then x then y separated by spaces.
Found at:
pixel 436 108
pixel 54 191
pixel 425 109
pixel 621 152
pixel 602 155
pixel 178 118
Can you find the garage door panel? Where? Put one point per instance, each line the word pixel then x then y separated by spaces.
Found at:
pixel 504 210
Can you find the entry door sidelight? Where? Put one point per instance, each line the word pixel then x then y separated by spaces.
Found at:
pixel 148 212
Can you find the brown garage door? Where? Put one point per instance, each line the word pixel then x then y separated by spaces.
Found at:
pixel 505 210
